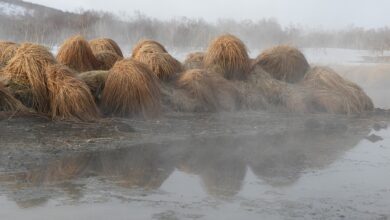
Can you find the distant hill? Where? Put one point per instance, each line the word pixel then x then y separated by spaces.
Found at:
pixel 16 8
pixel 22 21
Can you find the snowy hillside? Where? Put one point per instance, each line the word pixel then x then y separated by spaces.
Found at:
pixel 14 10
pixel 18 8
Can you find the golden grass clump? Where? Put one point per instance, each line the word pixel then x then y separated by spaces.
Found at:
pixel 26 76
pixel 107 59
pixel 7 54
pixel 228 55
pixel 105 44
pixel 284 63
pixel 163 65
pixel 4 45
pixel 147 46
pixel 194 61
pixel 95 80
pixel 131 89
pixel 70 98
pixel 333 94
pixel 8 103
pixel 76 53
pixel 210 92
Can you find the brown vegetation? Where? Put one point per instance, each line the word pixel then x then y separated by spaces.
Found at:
pixel 147 46
pixel 262 91
pixel 333 94
pixel 8 103
pixel 228 55
pixel 26 76
pixel 70 98
pixel 284 63
pixel 76 53
pixel 194 61
pixel 7 54
pixel 107 59
pixel 163 65
pixel 4 45
pixel 256 89
pixel 209 92
pixel 105 44
pixel 95 80
pixel 131 89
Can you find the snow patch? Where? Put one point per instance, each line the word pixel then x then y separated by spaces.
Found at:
pixel 14 10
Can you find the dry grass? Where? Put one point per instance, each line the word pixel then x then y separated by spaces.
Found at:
pixel 8 103
pixel 163 65
pixel 26 76
pixel 7 54
pixel 105 44
pixel 333 94
pixel 70 98
pixel 257 89
pixel 147 46
pixel 4 45
pixel 95 80
pixel 194 61
pixel 262 91
pixel 131 89
pixel 107 59
pixel 228 55
pixel 284 63
pixel 76 53
pixel 210 92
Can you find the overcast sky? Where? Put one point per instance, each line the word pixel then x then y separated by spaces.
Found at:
pixel 311 13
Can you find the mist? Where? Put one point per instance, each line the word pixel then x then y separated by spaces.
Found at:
pixel 185 109
pixel 328 14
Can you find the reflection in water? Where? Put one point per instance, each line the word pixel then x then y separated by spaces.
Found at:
pixel 220 162
pixel 141 166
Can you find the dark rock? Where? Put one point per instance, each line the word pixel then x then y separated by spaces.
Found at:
pixel 379 126
pixel 374 138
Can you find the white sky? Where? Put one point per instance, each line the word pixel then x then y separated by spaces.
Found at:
pixel 311 13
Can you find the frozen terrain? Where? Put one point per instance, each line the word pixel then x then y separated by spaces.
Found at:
pixel 14 10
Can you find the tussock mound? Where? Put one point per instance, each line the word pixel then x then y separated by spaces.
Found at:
pixel 4 45
pixel 8 103
pixel 26 76
pixel 107 59
pixel 105 44
pixel 228 55
pixel 257 89
pixel 147 46
pixel 95 80
pixel 194 61
pixel 262 91
pixel 163 65
pixel 284 63
pixel 131 89
pixel 70 98
pixel 76 53
pixel 333 94
pixel 208 92
pixel 8 53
